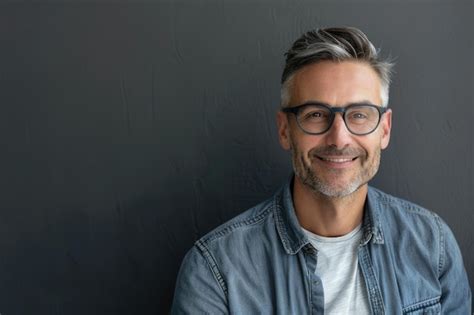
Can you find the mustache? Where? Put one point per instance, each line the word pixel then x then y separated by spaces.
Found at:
pixel 333 151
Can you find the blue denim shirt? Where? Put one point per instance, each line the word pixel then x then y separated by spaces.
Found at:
pixel 261 262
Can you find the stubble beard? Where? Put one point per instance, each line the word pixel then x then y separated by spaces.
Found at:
pixel 318 185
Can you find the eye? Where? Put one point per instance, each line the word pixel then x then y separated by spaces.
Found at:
pixel 358 115
pixel 315 115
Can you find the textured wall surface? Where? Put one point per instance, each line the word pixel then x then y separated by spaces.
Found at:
pixel 129 129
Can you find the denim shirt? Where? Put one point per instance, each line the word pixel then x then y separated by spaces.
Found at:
pixel 261 262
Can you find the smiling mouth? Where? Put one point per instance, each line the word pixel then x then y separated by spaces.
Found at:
pixel 337 159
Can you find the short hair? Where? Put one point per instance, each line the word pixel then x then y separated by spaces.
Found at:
pixel 334 44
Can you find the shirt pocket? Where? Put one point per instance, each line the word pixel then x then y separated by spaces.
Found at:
pixel 426 307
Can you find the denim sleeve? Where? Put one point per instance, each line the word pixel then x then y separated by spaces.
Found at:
pixel 456 293
pixel 197 290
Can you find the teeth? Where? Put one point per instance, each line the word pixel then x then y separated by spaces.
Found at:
pixel 337 160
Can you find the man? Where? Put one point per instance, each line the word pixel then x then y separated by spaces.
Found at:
pixel 326 242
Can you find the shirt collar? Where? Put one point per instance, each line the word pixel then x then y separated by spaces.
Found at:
pixel 292 236
pixel 371 223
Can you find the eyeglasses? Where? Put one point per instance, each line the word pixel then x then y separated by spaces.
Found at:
pixel 316 118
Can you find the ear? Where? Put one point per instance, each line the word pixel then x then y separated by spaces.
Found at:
pixel 386 125
pixel 283 130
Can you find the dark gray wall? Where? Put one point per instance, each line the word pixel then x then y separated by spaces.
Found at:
pixel 130 129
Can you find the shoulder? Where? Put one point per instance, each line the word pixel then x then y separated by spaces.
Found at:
pixel 236 231
pixel 402 211
pixel 408 225
pixel 221 250
pixel 420 242
pixel 217 253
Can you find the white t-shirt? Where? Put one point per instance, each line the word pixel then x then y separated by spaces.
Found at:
pixel 337 265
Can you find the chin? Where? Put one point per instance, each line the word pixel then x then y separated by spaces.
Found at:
pixel 338 191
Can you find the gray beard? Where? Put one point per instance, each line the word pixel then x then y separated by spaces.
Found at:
pixel 309 177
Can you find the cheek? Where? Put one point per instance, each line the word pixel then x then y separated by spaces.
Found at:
pixel 370 147
pixel 302 144
pixel 299 149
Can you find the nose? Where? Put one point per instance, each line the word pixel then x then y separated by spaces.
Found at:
pixel 338 135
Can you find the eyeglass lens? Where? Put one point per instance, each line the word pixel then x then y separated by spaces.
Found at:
pixel 359 119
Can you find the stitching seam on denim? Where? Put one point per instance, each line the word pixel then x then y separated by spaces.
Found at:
pixel 227 229
pixel 420 305
pixel 441 260
pixel 213 265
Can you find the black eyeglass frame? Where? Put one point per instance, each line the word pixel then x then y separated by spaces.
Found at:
pixel 333 110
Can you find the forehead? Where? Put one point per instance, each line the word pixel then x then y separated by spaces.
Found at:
pixel 336 83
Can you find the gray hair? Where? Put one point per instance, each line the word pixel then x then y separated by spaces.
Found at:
pixel 335 44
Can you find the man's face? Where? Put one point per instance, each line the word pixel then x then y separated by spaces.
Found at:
pixel 337 162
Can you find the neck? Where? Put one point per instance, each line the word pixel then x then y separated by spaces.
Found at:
pixel 328 216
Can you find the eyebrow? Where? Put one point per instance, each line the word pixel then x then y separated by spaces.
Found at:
pixel 363 102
